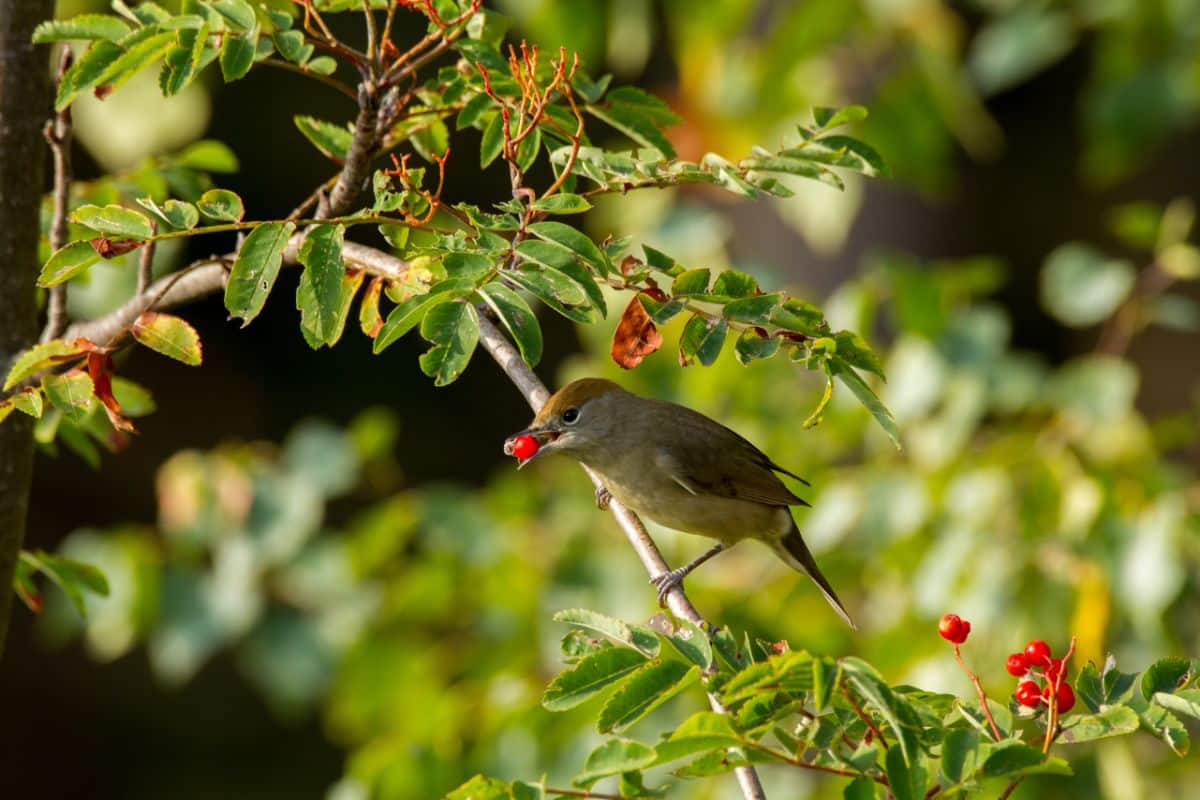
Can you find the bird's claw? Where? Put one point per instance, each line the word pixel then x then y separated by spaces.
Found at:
pixel 603 497
pixel 667 581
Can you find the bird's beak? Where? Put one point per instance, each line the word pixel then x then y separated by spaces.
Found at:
pixel 546 437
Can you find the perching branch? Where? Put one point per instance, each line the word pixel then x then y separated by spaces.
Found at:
pixel 358 158
pixel 536 394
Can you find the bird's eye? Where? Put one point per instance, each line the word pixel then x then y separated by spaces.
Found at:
pixel 571 416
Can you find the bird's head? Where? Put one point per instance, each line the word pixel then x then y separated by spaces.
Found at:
pixel 576 420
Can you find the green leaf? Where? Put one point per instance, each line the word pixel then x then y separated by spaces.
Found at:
pixel 239 12
pixel 82 26
pixel 527 152
pixel 562 203
pixel 563 261
pixel 865 682
pixel 846 374
pixel 754 310
pixel 493 141
pixel 1081 286
pixel 41 356
pixel 906 781
pixel 702 340
pixel 177 214
pixel 208 155
pixel 517 318
pixel 1186 701
pixel 71 393
pixel 453 329
pixel 693 281
pixel 291 46
pixel 169 335
pixel 73 577
pixel 256 268
pixel 1114 721
pixel 528 791
pixel 182 60
pixel 319 293
pixel 237 54
pixel 472 111
pixel 648 688
pixel 854 350
pixel 1012 759
pixel 833 117
pixel 28 401
pixel 752 345
pixel 573 240
pixel 592 674
pixel 1166 726
pixel 322 65
pixel 221 205
pixel 66 263
pixel 732 284
pixel 468 266
pixel 693 644
pixel 114 220
pixel 704 730
pixel 960 751
pixel 869 162
pixel 481 788
pixel 861 788
pixel 612 758
pixel 90 67
pixel 408 314
pixel 622 633
pixel 1165 675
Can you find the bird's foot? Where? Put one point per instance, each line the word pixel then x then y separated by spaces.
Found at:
pixel 603 497
pixel 667 581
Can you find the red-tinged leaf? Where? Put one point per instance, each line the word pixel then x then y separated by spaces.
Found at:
pixel 636 336
pixel 369 318
pixel 108 248
pixel 100 370
pixel 44 355
pixel 631 264
pixel 169 335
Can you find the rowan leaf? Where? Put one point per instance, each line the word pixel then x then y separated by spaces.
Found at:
pixel 169 335
pixel 256 268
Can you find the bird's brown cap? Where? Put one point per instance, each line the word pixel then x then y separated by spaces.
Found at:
pixel 574 395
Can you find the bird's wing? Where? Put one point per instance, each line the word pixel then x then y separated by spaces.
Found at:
pixel 714 460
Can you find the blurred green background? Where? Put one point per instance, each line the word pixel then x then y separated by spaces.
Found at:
pixel 328 579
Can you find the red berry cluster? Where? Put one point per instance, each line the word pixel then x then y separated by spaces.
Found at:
pixel 954 628
pixel 1038 662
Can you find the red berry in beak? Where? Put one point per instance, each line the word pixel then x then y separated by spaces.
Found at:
pixel 524 447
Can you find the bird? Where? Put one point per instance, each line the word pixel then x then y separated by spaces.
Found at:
pixel 677 467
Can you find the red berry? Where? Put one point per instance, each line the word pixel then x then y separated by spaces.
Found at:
pixel 1038 653
pixel 1017 664
pixel 1053 668
pixel 954 628
pixel 524 447
pixel 1066 697
pixel 1028 694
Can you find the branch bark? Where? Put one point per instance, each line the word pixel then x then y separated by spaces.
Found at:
pixel 24 101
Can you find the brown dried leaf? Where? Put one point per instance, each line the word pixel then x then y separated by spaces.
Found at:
pixel 636 336
pixel 109 248
pixel 100 370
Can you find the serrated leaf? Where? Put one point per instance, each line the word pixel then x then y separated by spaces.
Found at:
pixel 960 752
pixel 1114 721
pixel 702 340
pixel 1185 701
pixel 481 788
pixel 833 117
pixel 517 318
pixel 732 284
pixel 573 240
pixel 256 268
pixel 319 295
pixel 41 356
pixel 562 203
pixel 81 26
pixel 622 633
pixel 648 688
pixel 855 351
pixel 754 310
pixel 453 328
pixel 1166 726
pixel 331 139
pixel 182 59
pixel 169 335
pixel 239 12
pixel 693 281
pixel 237 54
pixel 592 674
pixel 66 263
pixel 846 374
pixel 28 401
pixel 1012 759
pixel 409 313
pixel 1165 675
pixel 612 758
pixel 114 220
pixel 752 346
pixel 221 205
pixel 71 393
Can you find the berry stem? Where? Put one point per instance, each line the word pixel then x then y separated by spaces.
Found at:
pixel 871 726
pixel 983 701
pixel 1052 720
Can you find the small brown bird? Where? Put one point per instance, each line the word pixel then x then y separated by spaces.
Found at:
pixel 679 468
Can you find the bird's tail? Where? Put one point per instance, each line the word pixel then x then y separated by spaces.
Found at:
pixel 794 552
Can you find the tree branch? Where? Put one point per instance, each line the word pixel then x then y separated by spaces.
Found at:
pixel 536 394
pixel 358 157
pixel 24 101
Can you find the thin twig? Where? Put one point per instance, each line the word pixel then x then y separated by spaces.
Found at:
pixel 983 700
pixel 1012 787
pixel 1052 717
pixel 871 726
pixel 145 268
pixel 329 81
pixel 58 135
